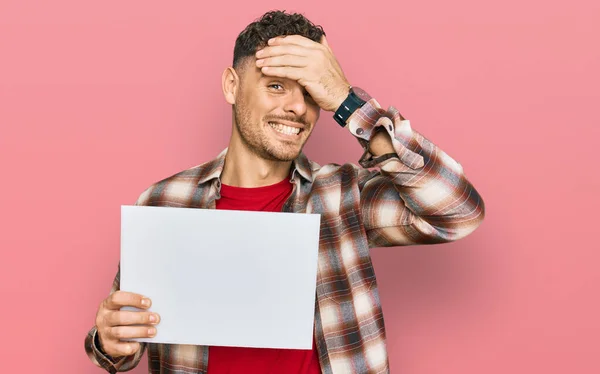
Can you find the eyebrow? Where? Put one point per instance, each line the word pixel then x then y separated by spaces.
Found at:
pixel 263 76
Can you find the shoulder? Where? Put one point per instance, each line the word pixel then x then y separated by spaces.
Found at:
pixel 175 190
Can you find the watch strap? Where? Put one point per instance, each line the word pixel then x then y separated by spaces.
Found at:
pixel 347 108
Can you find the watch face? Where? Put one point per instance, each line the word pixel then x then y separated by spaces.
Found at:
pixel 361 94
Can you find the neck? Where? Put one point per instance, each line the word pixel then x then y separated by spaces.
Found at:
pixel 243 168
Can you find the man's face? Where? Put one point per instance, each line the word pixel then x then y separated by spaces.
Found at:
pixel 273 116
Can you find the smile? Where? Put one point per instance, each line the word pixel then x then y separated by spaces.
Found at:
pixel 287 130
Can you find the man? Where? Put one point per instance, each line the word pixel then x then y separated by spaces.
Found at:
pixel 283 74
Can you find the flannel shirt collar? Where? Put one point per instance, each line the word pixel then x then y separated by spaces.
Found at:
pixel 213 169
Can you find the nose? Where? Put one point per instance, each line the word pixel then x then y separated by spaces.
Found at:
pixel 296 102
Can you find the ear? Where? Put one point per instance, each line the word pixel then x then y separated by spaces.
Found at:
pixel 230 82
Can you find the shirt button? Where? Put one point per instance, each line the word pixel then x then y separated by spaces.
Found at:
pixel 359 131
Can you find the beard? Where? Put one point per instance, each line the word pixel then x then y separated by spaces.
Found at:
pixel 255 138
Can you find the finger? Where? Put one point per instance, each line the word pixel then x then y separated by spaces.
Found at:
pixel 120 299
pixel 124 318
pixel 285 60
pixel 130 332
pixel 283 50
pixel 120 349
pixel 293 39
pixel 284 72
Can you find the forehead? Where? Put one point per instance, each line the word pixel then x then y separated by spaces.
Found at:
pixel 251 72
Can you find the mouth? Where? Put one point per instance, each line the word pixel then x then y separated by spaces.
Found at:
pixel 285 129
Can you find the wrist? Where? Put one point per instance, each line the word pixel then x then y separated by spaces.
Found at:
pixel 339 98
pixel 100 348
pixel 354 100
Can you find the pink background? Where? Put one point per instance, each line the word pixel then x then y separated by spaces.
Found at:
pixel 98 100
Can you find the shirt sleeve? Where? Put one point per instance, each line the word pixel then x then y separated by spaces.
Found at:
pixel 419 195
pixel 101 359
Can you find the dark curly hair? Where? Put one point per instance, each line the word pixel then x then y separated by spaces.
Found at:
pixel 272 24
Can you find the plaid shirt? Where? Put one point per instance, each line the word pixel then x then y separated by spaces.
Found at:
pixel 417 196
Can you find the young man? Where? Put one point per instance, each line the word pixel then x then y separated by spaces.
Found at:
pixel 283 74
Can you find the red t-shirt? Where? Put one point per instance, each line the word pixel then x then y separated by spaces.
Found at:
pixel 233 360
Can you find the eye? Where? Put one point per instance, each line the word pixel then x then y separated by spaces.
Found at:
pixel 275 85
pixel 307 95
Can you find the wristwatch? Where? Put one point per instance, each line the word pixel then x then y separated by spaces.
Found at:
pixel 356 98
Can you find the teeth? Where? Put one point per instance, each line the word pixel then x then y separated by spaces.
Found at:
pixel 288 130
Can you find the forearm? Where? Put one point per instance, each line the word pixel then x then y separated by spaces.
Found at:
pixel 435 201
pixel 381 144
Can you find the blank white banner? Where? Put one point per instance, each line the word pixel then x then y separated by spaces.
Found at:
pixel 223 278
